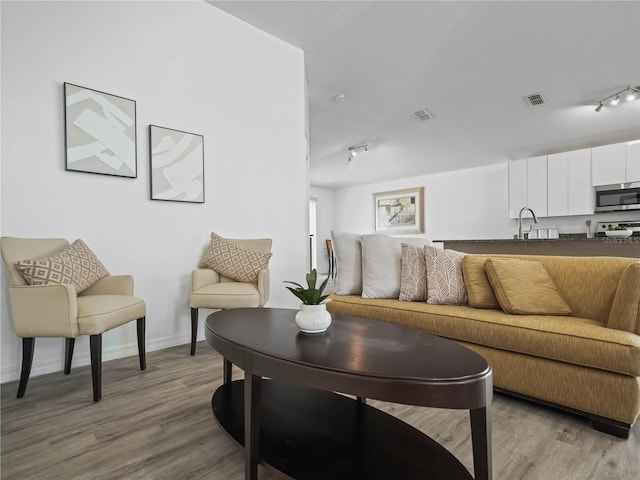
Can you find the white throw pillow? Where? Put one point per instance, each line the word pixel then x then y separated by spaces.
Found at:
pixel 381 264
pixel 348 251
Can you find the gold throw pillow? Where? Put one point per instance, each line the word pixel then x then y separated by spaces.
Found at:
pixel 479 289
pixel 524 287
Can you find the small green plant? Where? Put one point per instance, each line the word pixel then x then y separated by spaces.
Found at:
pixel 310 295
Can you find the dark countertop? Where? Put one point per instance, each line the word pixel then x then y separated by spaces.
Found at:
pixel 571 237
pixel 572 244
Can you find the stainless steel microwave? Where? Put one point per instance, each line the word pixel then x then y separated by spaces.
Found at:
pixel 619 196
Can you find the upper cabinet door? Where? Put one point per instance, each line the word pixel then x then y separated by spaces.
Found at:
pixel 517 186
pixel 580 193
pixel 537 185
pixel 633 162
pixel 608 164
pixel 557 184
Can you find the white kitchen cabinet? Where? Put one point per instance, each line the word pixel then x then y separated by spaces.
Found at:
pixel 569 184
pixel 537 185
pixel 517 186
pixel 633 162
pixel 557 185
pixel 608 164
pixel 580 195
pixel 528 186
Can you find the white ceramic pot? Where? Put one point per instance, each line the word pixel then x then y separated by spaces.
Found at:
pixel 313 318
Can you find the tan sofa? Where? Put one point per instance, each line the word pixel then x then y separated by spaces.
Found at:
pixel 586 363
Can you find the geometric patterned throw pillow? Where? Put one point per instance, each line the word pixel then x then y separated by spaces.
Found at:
pixel 233 261
pixel 76 265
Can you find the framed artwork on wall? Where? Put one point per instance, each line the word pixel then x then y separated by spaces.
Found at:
pixel 100 132
pixel 177 165
pixel 399 211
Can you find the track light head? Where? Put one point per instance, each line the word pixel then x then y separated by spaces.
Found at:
pixel 616 100
pixel 599 107
pixel 353 151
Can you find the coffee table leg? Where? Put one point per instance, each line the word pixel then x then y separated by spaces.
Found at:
pixel 252 394
pixel 481 440
pixel 226 371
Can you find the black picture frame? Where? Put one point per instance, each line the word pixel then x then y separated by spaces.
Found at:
pixel 176 165
pixel 100 132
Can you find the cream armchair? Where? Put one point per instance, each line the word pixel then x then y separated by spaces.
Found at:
pixel 55 310
pixel 217 292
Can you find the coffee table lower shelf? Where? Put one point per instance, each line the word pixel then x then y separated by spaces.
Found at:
pixel 310 434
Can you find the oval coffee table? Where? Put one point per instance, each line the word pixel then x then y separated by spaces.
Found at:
pixel 287 417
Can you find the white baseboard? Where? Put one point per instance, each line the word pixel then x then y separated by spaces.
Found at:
pixel 12 372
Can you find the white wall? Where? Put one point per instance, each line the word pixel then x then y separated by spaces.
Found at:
pixel 191 67
pixel 324 225
pixel 459 205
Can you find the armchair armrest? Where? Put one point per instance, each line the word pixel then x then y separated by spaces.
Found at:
pixel 625 311
pixel 263 286
pixel 202 277
pixel 44 310
pixel 111 285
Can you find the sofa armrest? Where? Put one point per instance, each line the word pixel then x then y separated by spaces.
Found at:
pixel 111 285
pixel 263 286
pixel 202 277
pixel 625 311
pixel 44 310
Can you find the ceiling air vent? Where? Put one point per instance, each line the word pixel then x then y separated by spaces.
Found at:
pixel 535 99
pixel 423 114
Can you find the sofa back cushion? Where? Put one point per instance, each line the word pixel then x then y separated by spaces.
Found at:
pixel 587 284
pixel 625 312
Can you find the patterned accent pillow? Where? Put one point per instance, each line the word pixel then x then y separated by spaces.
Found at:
pixel 233 261
pixel 445 284
pixel 76 265
pixel 413 278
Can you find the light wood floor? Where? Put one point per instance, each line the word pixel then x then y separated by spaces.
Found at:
pixel 158 424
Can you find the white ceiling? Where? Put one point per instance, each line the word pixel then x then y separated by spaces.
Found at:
pixel 471 64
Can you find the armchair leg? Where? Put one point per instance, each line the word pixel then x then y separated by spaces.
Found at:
pixel 194 329
pixel 141 347
pixel 95 344
pixel 28 344
pixel 69 343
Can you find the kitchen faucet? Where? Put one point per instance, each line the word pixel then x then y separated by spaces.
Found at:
pixel 535 220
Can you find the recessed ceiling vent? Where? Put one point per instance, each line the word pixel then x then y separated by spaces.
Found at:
pixel 423 114
pixel 535 99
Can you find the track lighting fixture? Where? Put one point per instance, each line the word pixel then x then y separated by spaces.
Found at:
pixel 353 151
pixel 616 97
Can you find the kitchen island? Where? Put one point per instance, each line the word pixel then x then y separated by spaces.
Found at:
pixel 572 245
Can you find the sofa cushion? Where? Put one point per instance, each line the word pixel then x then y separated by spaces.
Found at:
pixel 76 265
pixel 579 341
pixel 625 312
pixel 445 285
pixel 479 289
pixel 233 261
pixel 524 287
pixel 381 265
pixel 347 248
pixel 413 276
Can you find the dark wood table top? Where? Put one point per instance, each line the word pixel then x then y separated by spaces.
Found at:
pixel 368 353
